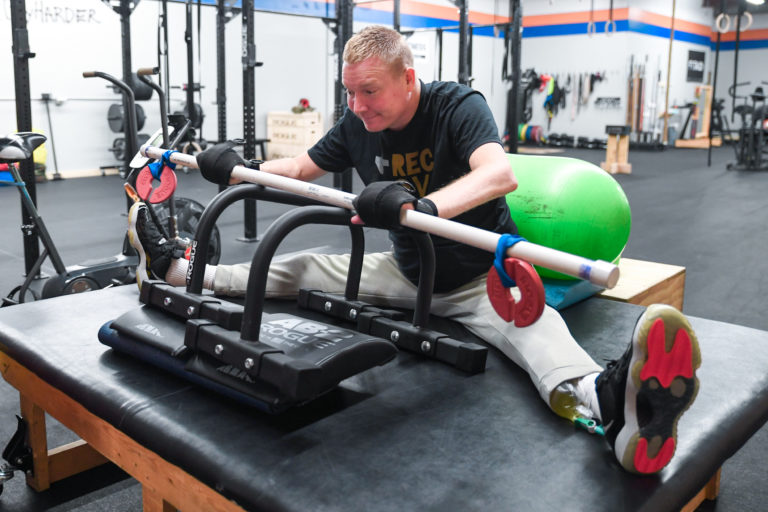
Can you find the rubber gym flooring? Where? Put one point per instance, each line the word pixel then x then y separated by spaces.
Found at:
pixel 707 219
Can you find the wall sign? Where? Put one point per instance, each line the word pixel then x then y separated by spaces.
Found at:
pixel 695 66
pixel 56 11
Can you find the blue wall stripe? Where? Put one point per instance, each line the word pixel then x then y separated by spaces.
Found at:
pixel 571 29
pixel 663 32
pixel 743 45
pixel 327 10
pixel 688 37
pixel 304 8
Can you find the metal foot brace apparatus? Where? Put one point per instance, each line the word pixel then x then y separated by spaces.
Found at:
pixel 275 361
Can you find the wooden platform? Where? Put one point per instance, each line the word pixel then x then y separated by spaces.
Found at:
pixel 698 143
pixel 259 460
pixel 645 283
pixel 617 155
pixel 165 486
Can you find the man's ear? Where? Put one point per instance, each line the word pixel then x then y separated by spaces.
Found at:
pixel 410 78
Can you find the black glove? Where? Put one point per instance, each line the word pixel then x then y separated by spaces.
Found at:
pixel 217 161
pixel 380 202
pixel 425 205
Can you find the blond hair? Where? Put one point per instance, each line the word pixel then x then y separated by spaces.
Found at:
pixel 381 42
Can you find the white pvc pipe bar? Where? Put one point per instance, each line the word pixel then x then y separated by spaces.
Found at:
pixel 600 273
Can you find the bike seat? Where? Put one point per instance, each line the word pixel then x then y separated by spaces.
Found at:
pixel 19 146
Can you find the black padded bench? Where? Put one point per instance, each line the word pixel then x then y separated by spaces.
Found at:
pixel 411 435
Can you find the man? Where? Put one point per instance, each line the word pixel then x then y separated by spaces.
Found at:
pixel 441 138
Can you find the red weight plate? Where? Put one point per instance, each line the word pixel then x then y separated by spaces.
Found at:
pixel 167 187
pixel 532 300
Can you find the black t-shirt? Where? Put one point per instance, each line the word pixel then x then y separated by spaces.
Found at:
pixel 433 150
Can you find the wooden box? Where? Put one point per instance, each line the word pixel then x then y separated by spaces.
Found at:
pixel 291 134
pixel 646 283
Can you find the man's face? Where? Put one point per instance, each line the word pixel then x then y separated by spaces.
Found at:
pixel 378 95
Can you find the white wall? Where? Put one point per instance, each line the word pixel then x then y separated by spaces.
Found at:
pixel 574 55
pixel 71 36
pixel 610 55
pixel 564 53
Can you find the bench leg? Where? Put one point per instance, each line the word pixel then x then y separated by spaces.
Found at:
pixel 57 463
pixel 708 492
pixel 39 479
pixel 153 502
pixel 168 481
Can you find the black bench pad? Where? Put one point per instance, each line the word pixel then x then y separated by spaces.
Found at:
pixel 410 435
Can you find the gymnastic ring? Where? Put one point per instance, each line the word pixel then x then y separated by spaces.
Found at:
pixel 749 21
pixel 191 147
pixel 590 28
pixel 719 21
pixel 610 23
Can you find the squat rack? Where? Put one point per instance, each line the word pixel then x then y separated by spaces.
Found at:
pixel 125 8
pixel 21 56
pixel 513 31
pixel 341 24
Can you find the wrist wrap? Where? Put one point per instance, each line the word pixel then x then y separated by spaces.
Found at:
pixel 425 205
pixel 216 162
pixel 380 202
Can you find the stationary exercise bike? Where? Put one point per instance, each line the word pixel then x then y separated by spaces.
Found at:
pixel 91 275
pixel 752 146
pixel 180 214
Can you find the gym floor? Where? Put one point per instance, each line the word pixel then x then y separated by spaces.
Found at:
pixel 704 218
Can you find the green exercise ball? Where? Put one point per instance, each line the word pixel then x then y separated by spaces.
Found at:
pixel 570 205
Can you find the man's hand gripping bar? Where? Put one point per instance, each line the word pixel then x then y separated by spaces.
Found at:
pixel 600 273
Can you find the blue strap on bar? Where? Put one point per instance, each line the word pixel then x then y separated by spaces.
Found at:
pixel 156 168
pixel 505 242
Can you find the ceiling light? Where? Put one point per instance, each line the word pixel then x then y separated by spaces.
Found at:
pixel 756 2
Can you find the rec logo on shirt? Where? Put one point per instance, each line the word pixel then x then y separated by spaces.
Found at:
pixel 415 166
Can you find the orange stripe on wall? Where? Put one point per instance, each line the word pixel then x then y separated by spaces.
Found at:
pixel 747 35
pixel 435 11
pixel 449 13
pixel 566 18
pixel 660 20
pixel 601 15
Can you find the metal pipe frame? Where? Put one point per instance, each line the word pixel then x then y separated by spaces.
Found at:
pixel 250 230
pixel 21 56
pixel 516 14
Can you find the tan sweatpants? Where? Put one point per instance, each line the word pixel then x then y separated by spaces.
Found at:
pixel 546 349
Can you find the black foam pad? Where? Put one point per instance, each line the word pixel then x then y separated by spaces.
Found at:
pixel 154 328
pixel 380 202
pixel 300 359
pixel 339 352
pixel 178 366
pixel 442 436
pixel 217 161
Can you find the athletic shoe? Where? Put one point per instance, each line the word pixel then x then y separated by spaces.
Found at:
pixel 155 252
pixel 643 394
